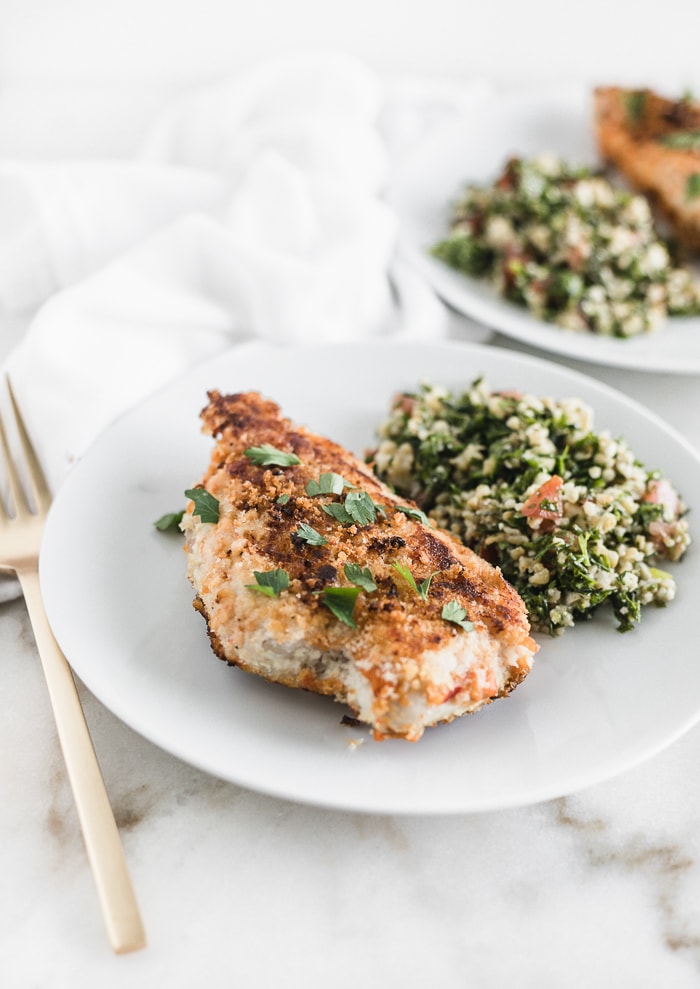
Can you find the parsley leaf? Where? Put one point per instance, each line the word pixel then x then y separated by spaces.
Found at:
pixel 424 586
pixel 270 582
pixel 328 483
pixel 692 186
pixel 685 140
pixel 402 569
pixel 267 456
pixel 635 105
pixel 341 601
pixel 582 539
pixel 206 505
pixel 282 500
pixel 338 513
pixel 454 612
pixel 360 507
pixel 310 536
pixel 360 577
pixel 168 522
pixel 421 589
pixel 414 513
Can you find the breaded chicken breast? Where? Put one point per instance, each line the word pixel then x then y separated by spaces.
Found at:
pixel 655 143
pixel 310 572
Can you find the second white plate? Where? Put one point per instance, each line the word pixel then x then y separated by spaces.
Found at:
pixel 424 190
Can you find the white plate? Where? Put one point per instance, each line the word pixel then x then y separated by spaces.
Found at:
pixel 596 703
pixel 423 191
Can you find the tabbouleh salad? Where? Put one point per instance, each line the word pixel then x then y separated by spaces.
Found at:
pixel 569 514
pixel 572 248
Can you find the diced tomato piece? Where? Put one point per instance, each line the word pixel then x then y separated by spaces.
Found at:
pixel 406 403
pixel 661 492
pixel 545 503
pixel 509 393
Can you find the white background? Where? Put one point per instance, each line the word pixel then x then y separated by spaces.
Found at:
pixel 124 59
pixel 181 38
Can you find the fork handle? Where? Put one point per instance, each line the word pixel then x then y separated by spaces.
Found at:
pixel 103 843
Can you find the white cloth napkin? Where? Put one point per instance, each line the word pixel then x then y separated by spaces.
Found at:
pixel 254 211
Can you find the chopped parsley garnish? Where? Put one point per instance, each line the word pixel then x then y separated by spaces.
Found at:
pixel 338 512
pixel 310 536
pixel 341 601
pixel 358 507
pixel 360 576
pixel 282 500
pixel 169 522
pixel 583 539
pixel 206 505
pixel 692 186
pixel 328 483
pixel 269 456
pixel 455 613
pixel 421 589
pixel 635 105
pixel 684 140
pixel 414 513
pixel 270 582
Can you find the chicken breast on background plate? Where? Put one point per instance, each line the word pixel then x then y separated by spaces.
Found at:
pixel 313 574
pixel 655 143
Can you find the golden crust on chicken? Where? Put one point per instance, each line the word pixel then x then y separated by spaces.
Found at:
pixel 314 574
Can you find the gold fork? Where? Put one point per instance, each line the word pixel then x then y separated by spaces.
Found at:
pixel 20 539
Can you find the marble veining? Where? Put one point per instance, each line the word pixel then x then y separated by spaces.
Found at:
pixel 665 867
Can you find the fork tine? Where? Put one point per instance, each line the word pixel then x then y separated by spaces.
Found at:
pixel 36 475
pixel 19 502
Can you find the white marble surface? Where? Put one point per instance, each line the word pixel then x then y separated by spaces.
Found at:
pixel 596 889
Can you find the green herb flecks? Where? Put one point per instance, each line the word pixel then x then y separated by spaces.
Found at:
pixel 455 613
pixel 684 140
pixel 360 507
pixel 310 535
pixel 269 456
pixel 357 508
pixel 360 576
pixel 341 602
pixel 414 513
pixel 635 105
pixel 169 522
pixel 583 539
pixel 692 186
pixel 282 500
pixel 328 483
pixel 422 589
pixel 270 582
pixel 206 505
pixel 338 512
